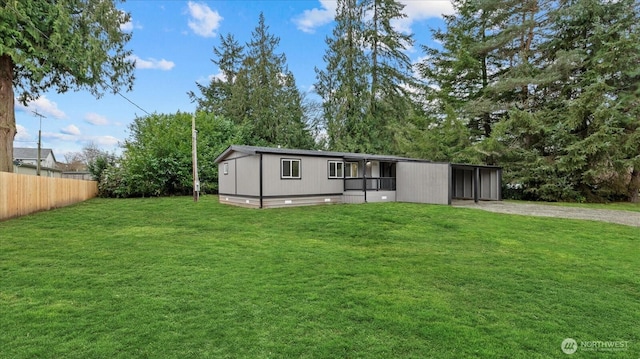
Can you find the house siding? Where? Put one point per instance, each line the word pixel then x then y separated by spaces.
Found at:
pixel 249 202
pixel 243 178
pixel 227 182
pixel 381 196
pixel 372 196
pixel 353 197
pixel 314 177
pixel 421 182
pixel 248 175
pixel 271 202
pixel 254 179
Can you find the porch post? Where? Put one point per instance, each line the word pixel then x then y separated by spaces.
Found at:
pixel 364 178
pixel 261 183
pixel 476 180
pixel 499 184
pixel 450 175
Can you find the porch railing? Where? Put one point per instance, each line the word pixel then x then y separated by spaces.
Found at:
pixel 373 183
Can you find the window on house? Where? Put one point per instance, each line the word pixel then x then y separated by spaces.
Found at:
pixel 290 168
pixel 351 170
pixel 225 168
pixel 336 169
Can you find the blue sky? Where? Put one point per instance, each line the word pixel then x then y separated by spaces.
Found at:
pixel 172 43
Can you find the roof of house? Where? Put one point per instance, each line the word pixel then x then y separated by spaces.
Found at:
pixel 252 150
pixel 23 153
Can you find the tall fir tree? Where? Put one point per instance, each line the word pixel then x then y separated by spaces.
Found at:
pixel 550 89
pixel 343 84
pixel 276 103
pixel 390 72
pixel 257 91
pixel 598 106
pixel 218 96
pixel 368 83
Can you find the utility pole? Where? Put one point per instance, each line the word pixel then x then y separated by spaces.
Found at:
pixel 194 153
pixel 39 141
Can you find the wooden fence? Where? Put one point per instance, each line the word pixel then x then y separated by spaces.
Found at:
pixel 23 194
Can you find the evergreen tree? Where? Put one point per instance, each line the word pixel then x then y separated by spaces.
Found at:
pixel 555 90
pixel 581 141
pixel 367 84
pixel 598 104
pixel 276 104
pixel 445 139
pixel 390 72
pixel 487 62
pixel 343 84
pixel 217 97
pixel 257 91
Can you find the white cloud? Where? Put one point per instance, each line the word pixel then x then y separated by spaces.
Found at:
pixel 107 141
pixel 129 26
pixel 22 134
pixel 104 140
pixel 126 27
pixel 95 119
pixel 152 64
pixel 43 106
pixel 207 80
pixel 71 130
pixel 309 20
pixel 59 136
pixel 422 10
pixel 203 21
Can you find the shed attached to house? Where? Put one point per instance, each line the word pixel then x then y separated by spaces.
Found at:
pixel 264 177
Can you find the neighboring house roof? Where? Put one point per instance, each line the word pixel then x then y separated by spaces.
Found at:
pixel 252 150
pixel 23 153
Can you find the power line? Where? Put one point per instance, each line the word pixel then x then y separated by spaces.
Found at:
pixel 106 85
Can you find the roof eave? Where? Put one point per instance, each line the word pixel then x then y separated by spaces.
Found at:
pixel 233 148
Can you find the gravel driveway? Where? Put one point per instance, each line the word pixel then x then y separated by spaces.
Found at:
pixel 529 209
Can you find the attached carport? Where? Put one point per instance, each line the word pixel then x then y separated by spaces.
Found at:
pixel 475 182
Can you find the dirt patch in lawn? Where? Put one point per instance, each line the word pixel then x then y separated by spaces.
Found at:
pixel 529 209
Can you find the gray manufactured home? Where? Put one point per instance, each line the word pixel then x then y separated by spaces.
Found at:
pixel 265 177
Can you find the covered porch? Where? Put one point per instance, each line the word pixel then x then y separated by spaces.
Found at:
pixel 368 180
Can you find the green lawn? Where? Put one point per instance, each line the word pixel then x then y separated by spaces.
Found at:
pixel 169 278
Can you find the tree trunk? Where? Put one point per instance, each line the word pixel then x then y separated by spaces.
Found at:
pixel 7 114
pixel 634 186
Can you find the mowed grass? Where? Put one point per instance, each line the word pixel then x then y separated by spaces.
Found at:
pixel 170 278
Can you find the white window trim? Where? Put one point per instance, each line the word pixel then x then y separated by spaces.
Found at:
pixel 225 168
pixel 350 165
pixel 335 164
pixel 291 161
